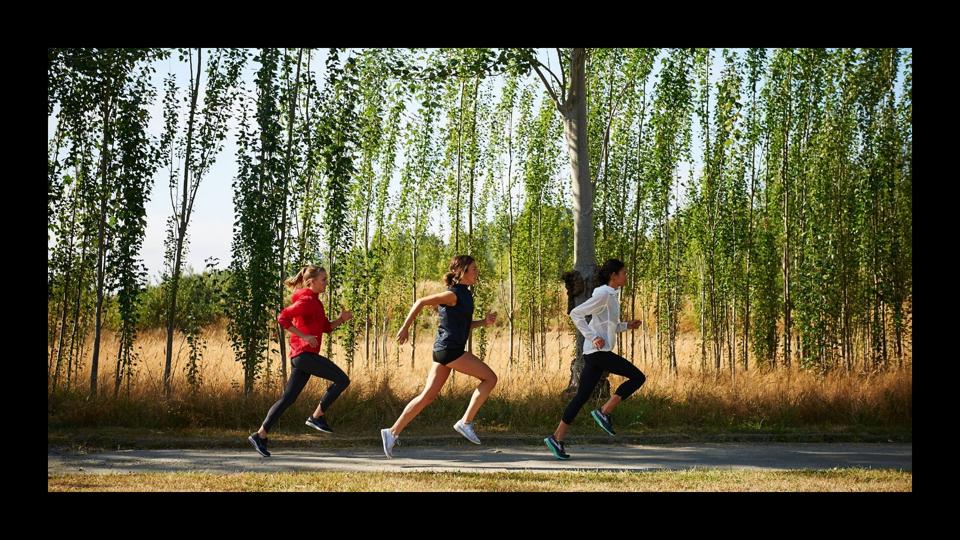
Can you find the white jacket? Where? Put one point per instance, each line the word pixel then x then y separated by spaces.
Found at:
pixel 604 305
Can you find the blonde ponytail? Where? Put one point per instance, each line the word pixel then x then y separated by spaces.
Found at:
pixel 307 272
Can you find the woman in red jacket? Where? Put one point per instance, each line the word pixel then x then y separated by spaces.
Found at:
pixel 307 321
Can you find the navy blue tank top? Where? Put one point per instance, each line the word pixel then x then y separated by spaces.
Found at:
pixel 455 320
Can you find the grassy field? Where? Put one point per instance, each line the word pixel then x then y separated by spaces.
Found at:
pixel 856 480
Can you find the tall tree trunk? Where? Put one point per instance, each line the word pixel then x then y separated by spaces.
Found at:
pixel 306 211
pixel 786 224
pixel 846 336
pixel 330 302
pixel 731 338
pixel 753 178
pixel 703 322
pixel 291 115
pixel 656 293
pixel 118 375
pixel 473 168
pixel 510 225
pixel 101 237
pixel 68 273
pixel 456 223
pixel 58 137
pixel 603 175
pixel 636 220
pixel 540 291
pixel 413 299
pixel 574 112
pixel 76 309
pixel 671 308
pixel 473 164
pixel 376 334
pixel 181 223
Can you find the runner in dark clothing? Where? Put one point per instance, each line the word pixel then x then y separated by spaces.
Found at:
pixel 456 312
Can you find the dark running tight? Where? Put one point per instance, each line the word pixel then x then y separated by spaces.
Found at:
pixel 594 365
pixel 304 365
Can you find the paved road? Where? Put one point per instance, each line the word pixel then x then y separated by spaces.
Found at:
pixel 491 458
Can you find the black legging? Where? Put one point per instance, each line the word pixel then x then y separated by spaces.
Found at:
pixel 304 365
pixel 594 365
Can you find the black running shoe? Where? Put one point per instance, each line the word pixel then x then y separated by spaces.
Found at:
pixel 319 424
pixel 259 444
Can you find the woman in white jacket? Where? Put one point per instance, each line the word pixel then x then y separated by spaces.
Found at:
pixel 600 337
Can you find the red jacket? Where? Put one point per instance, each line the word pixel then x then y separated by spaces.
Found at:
pixel 307 314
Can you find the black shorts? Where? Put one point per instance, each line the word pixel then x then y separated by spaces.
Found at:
pixel 445 356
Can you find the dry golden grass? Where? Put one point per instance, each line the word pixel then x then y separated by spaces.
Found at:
pixel 847 480
pixel 520 379
pixel 220 370
pixel 526 397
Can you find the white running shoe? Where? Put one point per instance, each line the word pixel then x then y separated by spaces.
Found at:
pixel 389 439
pixel 466 430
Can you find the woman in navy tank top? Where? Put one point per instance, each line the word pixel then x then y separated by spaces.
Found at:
pixel 449 351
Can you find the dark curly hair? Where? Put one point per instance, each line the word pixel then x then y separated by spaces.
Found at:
pixel 610 267
pixel 458 267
